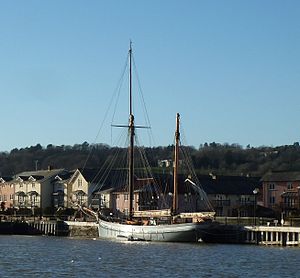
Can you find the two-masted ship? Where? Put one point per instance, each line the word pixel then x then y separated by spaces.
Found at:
pixel 177 226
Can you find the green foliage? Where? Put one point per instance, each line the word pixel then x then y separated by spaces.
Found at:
pixel 210 157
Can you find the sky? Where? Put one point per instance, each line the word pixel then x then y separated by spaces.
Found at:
pixel 230 68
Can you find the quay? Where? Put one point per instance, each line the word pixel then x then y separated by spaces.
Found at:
pixel 272 235
pixel 219 233
pixel 66 228
pixel 50 228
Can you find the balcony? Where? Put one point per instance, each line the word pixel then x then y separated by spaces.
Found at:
pixel 220 203
pixel 290 206
pixel 245 203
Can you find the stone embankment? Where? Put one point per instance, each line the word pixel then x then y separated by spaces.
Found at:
pixel 82 229
pixel 50 228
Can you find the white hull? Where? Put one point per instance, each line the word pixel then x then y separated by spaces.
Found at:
pixel 185 232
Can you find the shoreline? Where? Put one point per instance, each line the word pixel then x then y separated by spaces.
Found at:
pixel 219 233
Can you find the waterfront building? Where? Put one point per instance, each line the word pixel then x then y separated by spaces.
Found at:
pixel 229 195
pixel 61 188
pixel 7 192
pixel 281 191
pixel 83 185
pixel 148 195
pixel 34 189
pixel 232 195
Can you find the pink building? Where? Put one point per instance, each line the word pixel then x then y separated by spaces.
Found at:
pixel 281 191
pixel 7 191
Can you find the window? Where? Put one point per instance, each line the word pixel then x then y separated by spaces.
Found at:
pixel 289 185
pixel 33 185
pixel 126 197
pixel 126 211
pixel 272 186
pixel 243 213
pixel 118 196
pixel 33 199
pixel 21 199
pixel 272 200
pixel 79 183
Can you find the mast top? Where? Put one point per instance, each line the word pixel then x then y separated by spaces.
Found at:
pixel 130 80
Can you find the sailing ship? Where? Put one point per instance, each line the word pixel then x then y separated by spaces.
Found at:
pixel 169 224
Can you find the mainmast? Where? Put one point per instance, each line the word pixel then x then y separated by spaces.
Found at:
pixel 131 134
pixel 176 157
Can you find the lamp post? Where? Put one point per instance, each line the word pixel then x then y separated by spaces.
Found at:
pixel 255 192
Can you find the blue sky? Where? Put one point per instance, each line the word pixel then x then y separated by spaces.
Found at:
pixel 230 68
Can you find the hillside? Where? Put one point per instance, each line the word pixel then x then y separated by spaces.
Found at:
pixel 218 158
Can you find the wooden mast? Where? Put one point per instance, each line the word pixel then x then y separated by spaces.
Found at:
pixel 175 173
pixel 131 134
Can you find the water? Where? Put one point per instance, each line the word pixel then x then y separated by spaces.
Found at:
pixel 24 256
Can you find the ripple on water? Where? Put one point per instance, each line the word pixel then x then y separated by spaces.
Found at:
pixel 66 257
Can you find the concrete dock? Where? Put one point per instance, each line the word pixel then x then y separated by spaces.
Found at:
pixel 272 235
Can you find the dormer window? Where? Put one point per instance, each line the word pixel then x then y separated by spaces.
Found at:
pixel 79 183
pixel 31 178
pixel 58 178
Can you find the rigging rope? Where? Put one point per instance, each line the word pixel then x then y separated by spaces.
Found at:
pixel 116 92
pixel 147 119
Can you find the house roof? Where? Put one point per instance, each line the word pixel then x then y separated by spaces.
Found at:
pixel 40 175
pixel 36 177
pixel 230 185
pixel 92 175
pixel 114 179
pixel 6 179
pixel 65 176
pixel 280 176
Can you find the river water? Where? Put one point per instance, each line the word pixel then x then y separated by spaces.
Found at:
pixel 28 256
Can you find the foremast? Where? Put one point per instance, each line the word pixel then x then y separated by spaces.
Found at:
pixel 175 171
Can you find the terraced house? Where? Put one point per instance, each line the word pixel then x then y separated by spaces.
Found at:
pixel 61 188
pixel 232 195
pixel 34 189
pixel 82 187
pixel 7 191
